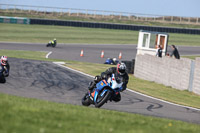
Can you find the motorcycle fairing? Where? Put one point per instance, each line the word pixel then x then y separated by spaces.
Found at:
pixel 99 87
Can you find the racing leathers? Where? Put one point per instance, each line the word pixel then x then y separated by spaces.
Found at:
pixel 4 72
pixel 123 77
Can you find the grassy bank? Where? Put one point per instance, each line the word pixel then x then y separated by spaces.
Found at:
pixel 26 115
pixel 34 55
pixel 44 33
pixel 191 57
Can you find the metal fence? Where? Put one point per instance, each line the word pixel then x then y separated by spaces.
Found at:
pixel 95 14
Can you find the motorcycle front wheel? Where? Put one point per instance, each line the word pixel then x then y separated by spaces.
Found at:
pixel 101 100
pixel 2 79
pixel 48 45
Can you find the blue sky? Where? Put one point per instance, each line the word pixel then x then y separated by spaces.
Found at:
pixel 188 8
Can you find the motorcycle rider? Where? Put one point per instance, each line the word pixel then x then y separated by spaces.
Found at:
pixel 52 43
pixel 4 69
pixel 120 74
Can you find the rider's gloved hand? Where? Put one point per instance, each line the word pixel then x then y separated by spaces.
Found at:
pixel 97 79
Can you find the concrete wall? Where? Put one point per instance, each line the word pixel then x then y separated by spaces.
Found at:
pixel 166 70
pixel 196 81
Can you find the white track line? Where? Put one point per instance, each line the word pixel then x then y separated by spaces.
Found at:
pixel 47 56
pixel 61 64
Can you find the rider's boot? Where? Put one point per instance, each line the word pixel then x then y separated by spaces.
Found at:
pixel 93 84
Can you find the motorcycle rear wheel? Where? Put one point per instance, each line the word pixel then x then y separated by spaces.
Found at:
pixel 86 100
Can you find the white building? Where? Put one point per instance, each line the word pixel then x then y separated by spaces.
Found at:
pixel 148 42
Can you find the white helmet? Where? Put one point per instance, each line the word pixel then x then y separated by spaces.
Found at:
pixel 114 59
pixel 4 60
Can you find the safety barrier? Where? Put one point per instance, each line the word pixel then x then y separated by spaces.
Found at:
pixel 129 65
pixel 113 26
pixel 15 20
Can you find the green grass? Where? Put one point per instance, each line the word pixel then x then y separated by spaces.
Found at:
pixel 44 33
pixel 191 57
pixel 26 115
pixel 24 54
pixel 184 39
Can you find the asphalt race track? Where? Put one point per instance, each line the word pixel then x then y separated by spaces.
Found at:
pixel 48 81
pixel 92 52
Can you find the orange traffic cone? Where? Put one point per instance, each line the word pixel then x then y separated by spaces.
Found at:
pixel 102 54
pixel 120 55
pixel 81 53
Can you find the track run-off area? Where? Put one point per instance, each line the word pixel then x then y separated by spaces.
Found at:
pixel 53 82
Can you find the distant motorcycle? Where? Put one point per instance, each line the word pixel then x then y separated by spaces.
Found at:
pixel 105 90
pixel 111 61
pixel 50 44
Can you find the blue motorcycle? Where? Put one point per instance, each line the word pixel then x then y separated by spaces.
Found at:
pixel 111 61
pixel 106 89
